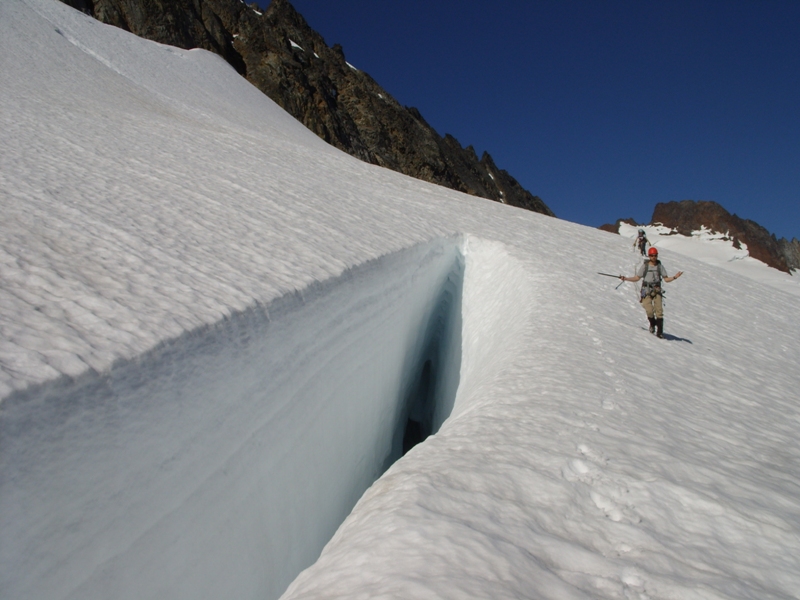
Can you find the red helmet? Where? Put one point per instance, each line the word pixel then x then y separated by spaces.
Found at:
pixel 652 252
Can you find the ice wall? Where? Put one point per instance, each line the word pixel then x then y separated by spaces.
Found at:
pixel 221 463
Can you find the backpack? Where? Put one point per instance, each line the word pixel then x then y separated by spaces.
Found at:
pixel 652 288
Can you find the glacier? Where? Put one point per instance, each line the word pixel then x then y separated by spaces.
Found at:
pixel 217 332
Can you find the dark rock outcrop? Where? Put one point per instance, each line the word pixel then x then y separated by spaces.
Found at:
pixel 281 55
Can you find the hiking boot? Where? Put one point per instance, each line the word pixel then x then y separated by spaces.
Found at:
pixel 660 328
pixel 652 324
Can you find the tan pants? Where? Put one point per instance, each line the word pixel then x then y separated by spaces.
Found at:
pixel 653 306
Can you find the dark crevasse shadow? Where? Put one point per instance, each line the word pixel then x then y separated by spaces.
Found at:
pixel 432 395
pixel 419 424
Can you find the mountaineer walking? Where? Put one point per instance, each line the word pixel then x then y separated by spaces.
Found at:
pixel 642 242
pixel 652 272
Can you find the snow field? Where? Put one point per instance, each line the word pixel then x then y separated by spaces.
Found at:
pixel 166 237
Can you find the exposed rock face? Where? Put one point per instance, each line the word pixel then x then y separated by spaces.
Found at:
pixel 282 56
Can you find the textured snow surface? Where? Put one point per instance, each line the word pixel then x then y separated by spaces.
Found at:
pixel 210 322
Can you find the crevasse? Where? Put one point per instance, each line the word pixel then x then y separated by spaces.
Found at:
pixel 220 464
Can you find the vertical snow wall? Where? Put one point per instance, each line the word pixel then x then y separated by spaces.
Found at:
pixel 221 463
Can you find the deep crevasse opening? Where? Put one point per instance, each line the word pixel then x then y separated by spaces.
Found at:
pixel 220 464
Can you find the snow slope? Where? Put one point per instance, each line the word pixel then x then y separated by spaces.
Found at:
pixel 214 329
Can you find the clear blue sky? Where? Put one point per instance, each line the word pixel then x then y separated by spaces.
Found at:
pixel 601 108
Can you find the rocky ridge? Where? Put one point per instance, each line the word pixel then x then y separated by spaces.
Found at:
pixel 687 216
pixel 279 53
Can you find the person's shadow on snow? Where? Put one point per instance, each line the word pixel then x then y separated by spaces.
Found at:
pixel 675 338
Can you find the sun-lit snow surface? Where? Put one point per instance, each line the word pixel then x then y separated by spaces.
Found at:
pixel 161 216
pixel 712 248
